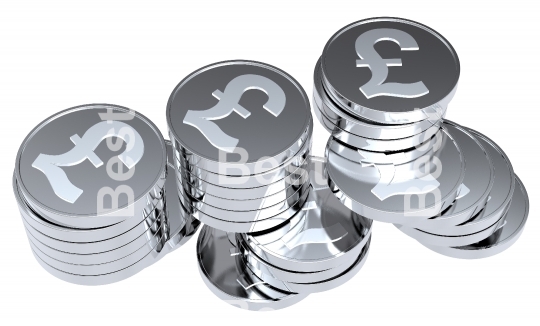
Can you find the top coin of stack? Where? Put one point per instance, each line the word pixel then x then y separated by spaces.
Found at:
pixel 90 187
pixel 241 132
pixel 384 84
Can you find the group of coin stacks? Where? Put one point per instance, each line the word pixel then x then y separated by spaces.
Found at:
pixel 274 232
pixel 102 195
pixel 392 157
pixel 90 222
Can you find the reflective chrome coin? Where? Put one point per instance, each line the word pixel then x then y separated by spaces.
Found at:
pixel 357 126
pixel 154 244
pixel 376 145
pixel 180 226
pixel 224 116
pixel 504 237
pixel 116 276
pixel 480 176
pixel 246 222
pixel 397 193
pixel 390 70
pixel 92 166
pixel 123 231
pixel 320 286
pixel 327 235
pixel 217 255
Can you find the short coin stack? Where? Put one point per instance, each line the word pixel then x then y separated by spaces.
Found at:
pixel 382 87
pixel 319 248
pixel 242 132
pixel 90 183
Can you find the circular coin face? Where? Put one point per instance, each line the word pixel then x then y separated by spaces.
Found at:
pixel 229 106
pixel 390 70
pixel 90 161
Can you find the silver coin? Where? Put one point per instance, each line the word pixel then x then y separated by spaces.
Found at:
pixel 265 207
pixel 198 188
pixel 324 285
pixel 430 239
pixel 328 235
pixel 218 257
pixel 498 200
pixel 87 248
pixel 251 222
pixel 397 158
pixel 288 171
pixel 503 238
pixel 127 229
pixel 358 69
pixel 116 276
pixel 180 226
pixel 89 259
pixel 155 244
pixel 298 193
pixel 403 193
pixel 201 120
pixel 67 172
pixel 217 192
pixel 480 175
pixel 376 145
pixel 262 269
pixel 365 128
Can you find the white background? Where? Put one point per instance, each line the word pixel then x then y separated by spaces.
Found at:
pixel 58 54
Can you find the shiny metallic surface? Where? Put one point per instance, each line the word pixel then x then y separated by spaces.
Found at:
pixel 376 144
pixel 365 84
pixel 481 174
pixel 328 234
pixel 319 286
pixel 286 170
pixel 72 160
pixel 405 193
pixel 76 259
pixel 236 104
pixel 503 238
pixel 219 269
pixel 252 223
pixel 362 127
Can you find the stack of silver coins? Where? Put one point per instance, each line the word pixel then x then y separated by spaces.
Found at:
pixel 382 87
pixel 241 133
pixel 90 183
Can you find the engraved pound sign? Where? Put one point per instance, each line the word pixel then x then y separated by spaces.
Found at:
pixel 228 102
pixel 84 149
pixel 379 67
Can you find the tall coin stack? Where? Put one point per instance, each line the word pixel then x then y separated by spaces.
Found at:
pixel 382 87
pixel 90 183
pixel 241 132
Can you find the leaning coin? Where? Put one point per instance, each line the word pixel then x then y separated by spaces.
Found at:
pixel 480 177
pixel 358 70
pixel 217 257
pixel 405 193
pixel 230 109
pixel 74 162
pixel 507 234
